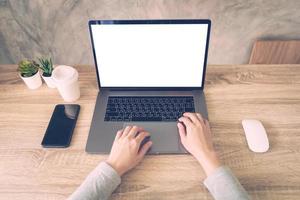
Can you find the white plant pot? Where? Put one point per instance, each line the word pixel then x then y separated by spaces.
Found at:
pixel 49 81
pixel 33 82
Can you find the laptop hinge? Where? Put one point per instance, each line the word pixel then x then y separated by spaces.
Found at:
pixel 154 89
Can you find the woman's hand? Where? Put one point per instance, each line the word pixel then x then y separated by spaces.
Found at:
pixel 126 152
pixel 195 136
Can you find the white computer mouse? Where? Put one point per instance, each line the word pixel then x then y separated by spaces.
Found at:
pixel 256 135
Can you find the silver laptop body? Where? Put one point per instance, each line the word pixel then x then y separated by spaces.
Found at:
pixel 144 67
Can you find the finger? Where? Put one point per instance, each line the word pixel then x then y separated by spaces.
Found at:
pixel 144 149
pixel 141 136
pixel 119 134
pixel 186 121
pixel 132 133
pixel 126 131
pixel 200 118
pixel 181 130
pixel 206 122
pixel 192 116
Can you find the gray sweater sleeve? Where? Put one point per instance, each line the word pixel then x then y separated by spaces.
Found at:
pixel 223 185
pixel 99 184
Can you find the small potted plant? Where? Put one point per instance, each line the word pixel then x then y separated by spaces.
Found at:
pixel 47 67
pixel 29 72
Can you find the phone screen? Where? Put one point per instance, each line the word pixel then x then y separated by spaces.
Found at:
pixel 60 128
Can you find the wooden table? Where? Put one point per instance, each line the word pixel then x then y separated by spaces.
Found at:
pixel 270 93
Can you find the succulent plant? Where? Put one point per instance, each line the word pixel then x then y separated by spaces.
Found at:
pixel 28 68
pixel 46 66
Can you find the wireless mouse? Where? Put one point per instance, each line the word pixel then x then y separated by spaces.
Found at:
pixel 256 135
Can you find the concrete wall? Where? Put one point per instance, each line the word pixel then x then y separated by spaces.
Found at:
pixel 30 28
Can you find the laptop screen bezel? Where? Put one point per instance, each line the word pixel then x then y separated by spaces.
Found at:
pixel 158 21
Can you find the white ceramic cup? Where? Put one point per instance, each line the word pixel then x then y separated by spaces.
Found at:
pixel 66 81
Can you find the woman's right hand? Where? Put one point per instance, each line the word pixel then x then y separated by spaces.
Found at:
pixel 195 136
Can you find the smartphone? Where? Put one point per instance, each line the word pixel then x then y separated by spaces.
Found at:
pixel 60 128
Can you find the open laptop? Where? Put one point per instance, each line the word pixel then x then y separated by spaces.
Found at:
pixel 149 73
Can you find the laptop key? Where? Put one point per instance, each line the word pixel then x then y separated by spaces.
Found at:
pixel 189 110
pixel 154 119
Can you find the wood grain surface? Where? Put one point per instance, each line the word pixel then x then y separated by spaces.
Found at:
pixel 275 52
pixel 270 93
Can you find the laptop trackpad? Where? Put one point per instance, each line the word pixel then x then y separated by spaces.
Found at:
pixel 164 136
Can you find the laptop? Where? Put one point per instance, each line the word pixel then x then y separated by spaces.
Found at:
pixel 149 73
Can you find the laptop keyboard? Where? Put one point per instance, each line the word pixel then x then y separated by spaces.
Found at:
pixel 148 108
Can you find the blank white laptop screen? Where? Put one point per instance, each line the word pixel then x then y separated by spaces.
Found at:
pixel 150 55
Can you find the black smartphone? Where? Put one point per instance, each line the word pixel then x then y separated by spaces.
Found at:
pixel 60 128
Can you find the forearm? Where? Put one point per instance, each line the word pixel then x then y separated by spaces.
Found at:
pixel 223 185
pixel 209 161
pixel 98 185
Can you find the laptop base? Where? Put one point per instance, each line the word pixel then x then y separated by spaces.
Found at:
pixel 164 135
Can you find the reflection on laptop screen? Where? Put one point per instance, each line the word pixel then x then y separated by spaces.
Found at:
pixel 150 55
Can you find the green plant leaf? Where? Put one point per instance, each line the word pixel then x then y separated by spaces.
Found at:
pixel 46 66
pixel 27 68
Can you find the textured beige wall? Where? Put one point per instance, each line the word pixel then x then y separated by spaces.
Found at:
pixel 30 28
